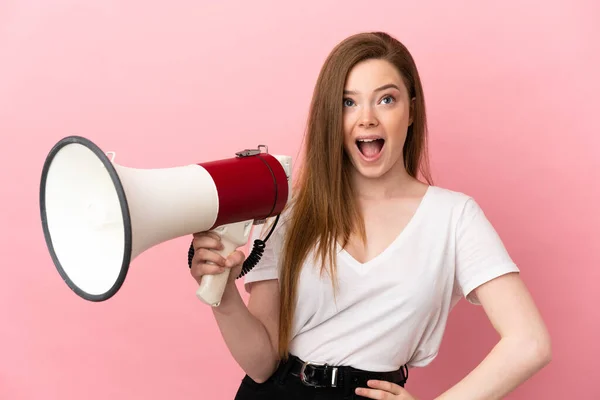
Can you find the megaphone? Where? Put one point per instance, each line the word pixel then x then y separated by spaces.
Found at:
pixel 98 216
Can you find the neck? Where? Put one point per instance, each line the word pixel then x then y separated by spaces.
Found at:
pixel 393 183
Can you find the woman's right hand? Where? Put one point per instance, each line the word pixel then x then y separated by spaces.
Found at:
pixel 207 260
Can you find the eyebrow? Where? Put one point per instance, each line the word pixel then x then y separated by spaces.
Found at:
pixel 388 86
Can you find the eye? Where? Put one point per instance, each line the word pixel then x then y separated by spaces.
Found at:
pixel 348 102
pixel 389 99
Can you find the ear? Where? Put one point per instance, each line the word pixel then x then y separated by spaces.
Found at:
pixel 411 111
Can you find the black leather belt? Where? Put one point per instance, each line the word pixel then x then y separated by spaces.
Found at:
pixel 328 376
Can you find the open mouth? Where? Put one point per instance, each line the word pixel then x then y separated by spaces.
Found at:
pixel 370 148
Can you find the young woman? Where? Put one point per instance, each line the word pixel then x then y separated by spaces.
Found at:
pixel 364 266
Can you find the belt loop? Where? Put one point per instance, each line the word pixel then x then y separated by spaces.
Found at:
pixel 348 383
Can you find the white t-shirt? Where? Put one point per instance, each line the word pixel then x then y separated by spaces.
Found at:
pixel 392 310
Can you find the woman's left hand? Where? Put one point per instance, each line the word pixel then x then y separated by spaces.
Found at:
pixel 383 390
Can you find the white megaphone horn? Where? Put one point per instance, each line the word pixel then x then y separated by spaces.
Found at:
pixel 97 216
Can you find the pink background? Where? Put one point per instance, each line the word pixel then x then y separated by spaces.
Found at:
pixel 512 91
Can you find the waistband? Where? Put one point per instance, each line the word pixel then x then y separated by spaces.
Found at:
pixel 320 375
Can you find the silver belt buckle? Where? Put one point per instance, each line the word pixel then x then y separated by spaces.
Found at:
pixel 305 379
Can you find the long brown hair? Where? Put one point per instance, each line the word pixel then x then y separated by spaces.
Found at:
pixel 324 211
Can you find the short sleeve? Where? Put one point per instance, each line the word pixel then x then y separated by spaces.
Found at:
pixel 480 253
pixel 268 266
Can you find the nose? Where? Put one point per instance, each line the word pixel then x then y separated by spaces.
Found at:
pixel 368 119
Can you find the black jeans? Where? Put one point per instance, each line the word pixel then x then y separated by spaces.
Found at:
pixel 284 384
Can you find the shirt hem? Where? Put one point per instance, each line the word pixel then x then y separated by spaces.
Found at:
pixel 259 275
pixel 484 277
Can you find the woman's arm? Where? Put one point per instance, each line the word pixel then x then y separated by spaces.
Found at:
pixel 251 332
pixel 524 347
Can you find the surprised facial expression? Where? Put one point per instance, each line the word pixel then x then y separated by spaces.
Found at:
pixel 377 114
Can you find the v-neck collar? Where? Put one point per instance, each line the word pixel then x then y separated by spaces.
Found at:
pixel 361 267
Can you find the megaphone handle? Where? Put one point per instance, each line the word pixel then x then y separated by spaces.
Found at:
pixel 232 236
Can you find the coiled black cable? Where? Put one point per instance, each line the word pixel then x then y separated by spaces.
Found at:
pixel 253 258
pixel 257 252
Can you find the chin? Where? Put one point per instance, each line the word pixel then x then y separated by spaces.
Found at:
pixel 372 172
pixel 385 164
pixel 371 169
